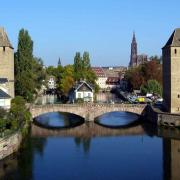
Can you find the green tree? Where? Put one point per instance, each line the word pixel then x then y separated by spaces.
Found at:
pixel 78 66
pixel 24 83
pixel 86 61
pixel 65 79
pixel 51 71
pixel 152 86
pixel 82 69
pixel 29 71
pixel 18 110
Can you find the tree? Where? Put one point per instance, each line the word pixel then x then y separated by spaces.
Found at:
pixel 29 71
pixel 82 69
pixel 152 87
pixel 39 72
pixel 23 65
pixel 78 74
pixel 65 79
pixel 140 75
pixel 18 110
pixel 86 61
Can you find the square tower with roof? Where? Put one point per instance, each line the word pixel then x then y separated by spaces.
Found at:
pixel 6 62
pixel 171 73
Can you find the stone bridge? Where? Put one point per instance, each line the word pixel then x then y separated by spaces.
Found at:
pixel 88 111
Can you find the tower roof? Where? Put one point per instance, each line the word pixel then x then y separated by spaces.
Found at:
pixel 174 40
pixel 4 40
pixel 134 37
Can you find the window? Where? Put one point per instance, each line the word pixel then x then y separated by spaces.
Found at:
pixel 89 94
pixel 178 95
pixel 4 48
pixel 175 51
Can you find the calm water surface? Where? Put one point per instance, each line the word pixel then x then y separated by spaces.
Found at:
pixel 93 152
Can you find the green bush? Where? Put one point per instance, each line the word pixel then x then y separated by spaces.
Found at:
pixel 153 87
pixel 79 100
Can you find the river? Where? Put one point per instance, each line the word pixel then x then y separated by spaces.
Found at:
pixel 92 151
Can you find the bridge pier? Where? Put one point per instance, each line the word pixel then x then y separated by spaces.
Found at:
pixel 89 117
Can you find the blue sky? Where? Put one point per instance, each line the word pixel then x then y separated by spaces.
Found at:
pixel 59 28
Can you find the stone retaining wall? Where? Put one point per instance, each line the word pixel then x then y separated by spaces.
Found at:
pixel 10 144
pixel 161 118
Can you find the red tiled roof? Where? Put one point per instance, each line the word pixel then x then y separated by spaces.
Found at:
pixel 113 80
pixel 99 71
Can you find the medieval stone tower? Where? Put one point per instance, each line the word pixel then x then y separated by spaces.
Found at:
pixel 171 73
pixel 7 62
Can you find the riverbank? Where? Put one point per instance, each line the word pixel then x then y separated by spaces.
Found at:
pixel 10 144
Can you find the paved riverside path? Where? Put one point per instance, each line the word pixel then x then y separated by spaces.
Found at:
pixel 88 111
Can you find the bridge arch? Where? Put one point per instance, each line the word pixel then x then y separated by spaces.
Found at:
pixel 99 114
pixel 44 113
pixel 39 110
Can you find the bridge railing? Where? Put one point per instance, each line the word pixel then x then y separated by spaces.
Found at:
pixel 90 105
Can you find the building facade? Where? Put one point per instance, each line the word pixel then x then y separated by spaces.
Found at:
pixel 6 64
pixel 82 90
pixel 101 77
pixel 171 73
pixel 141 59
pixel 5 100
pixel 51 83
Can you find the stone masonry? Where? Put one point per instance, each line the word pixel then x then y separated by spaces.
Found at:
pixel 88 111
pixel 7 61
pixel 171 73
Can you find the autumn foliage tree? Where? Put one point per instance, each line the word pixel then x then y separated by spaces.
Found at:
pixel 139 76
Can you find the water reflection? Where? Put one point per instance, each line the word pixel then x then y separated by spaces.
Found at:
pixel 91 151
pixel 47 99
pixel 171 157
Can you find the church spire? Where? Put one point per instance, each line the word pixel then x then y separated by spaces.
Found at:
pixel 134 37
pixel 133 57
pixel 59 62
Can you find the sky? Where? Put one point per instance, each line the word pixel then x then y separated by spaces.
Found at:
pixel 104 28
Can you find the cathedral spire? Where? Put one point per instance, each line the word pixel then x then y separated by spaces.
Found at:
pixel 59 62
pixel 133 57
pixel 134 37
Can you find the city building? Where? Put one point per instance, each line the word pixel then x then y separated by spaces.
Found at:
pixel 171 73
pixel 113 82
pixel 114 71
pixel 110 77
pixel 141 59
pixel 101 77
pixel 82 90
pixel 5 100
pixel 6 64
pixel 135 59
pixel 51 83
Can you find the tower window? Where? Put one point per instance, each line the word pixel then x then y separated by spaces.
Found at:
pixel 175 51
pixel 4 48
pixel 178 95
